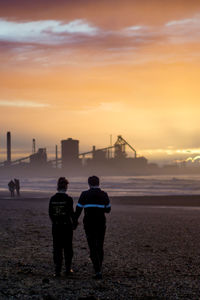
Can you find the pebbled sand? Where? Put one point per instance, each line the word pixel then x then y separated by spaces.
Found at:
pixel 152 251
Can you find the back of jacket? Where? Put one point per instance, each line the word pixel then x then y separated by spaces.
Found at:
pixel 61 209
pixel 95 203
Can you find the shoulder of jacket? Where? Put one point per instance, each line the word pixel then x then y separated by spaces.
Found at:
pixel 84 192
pixel 105 192
pixel 105 195
pixel 52 197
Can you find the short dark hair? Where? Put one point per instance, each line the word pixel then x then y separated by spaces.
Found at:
pixel 93 180
pixel 62 184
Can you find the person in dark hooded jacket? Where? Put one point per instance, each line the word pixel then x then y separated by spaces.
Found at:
pixel 61 213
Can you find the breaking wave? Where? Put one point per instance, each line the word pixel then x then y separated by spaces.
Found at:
pixel 118 185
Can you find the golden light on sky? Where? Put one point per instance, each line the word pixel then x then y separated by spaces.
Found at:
pixel 88 69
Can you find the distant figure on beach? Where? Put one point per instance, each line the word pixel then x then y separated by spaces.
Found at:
pixel 61 213
pixel 95 203
pixel 11 187
pixel 17 186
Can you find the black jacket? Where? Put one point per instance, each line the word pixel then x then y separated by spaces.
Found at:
pixel 95 203
pixel 61 209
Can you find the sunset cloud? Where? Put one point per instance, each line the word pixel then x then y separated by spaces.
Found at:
pixel 44 31
pixel 183 30
pixel 81 32
pixel 182 22
pixel 22 104
pixel 96 68
pixel 135 30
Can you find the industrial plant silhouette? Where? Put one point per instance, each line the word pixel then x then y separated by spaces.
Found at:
pixel 112 160
pixel 108 160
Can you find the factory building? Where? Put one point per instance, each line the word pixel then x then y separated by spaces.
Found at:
pixel 109 160
pixel 70 153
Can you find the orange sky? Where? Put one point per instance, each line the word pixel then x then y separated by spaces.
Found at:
pixel 88 69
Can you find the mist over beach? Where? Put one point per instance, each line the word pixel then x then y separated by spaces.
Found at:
pixel 115 185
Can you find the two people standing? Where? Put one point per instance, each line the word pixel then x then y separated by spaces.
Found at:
pixel 14 185
pixel 95 203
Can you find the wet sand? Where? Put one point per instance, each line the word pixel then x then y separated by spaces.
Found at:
pixel 152 251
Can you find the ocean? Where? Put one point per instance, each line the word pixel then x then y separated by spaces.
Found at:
pixel 117 185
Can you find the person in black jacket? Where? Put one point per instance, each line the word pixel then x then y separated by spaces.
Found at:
pixel 95 203
pixel 61 213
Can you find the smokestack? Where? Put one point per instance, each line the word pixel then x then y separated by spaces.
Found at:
pixel 8 147
pixel 33 147
pixel 56 156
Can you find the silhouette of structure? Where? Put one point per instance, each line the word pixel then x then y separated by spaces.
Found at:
pixel 8 148
pixel 70 153
pixel 120 147
pixel 33 146
pixel 112 160
pixel 39 158
pixel 56 156
pixel 105 153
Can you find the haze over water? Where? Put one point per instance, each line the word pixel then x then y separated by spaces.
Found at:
pixel 118 185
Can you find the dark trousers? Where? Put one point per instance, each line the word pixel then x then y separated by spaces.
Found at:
pixel 95 237
pixel 62 242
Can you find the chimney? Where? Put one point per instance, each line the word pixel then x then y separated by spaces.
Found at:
pixel 56 156
pixel 8 147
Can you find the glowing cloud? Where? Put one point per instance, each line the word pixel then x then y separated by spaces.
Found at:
pixel 21 104
pixel 76 26
pixel 196 157
pixel 134 29
pixel 184 31
pixel 182 22
pixel 43 32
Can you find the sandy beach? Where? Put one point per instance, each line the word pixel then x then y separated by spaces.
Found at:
pixel 152 251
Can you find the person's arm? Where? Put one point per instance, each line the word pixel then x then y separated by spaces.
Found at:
pixel 72 214
pixel 107 208
pixel 79 206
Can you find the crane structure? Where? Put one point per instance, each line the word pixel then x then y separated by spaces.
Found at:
pixel 119 149
pixel 121 143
